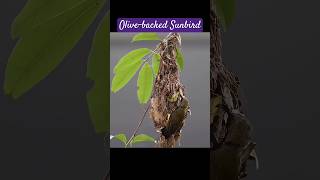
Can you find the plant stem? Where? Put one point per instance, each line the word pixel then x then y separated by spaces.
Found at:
pixel 137 128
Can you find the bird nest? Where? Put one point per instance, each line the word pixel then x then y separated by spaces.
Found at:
pixel 168 91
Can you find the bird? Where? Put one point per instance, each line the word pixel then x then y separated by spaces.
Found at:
pixel 176 119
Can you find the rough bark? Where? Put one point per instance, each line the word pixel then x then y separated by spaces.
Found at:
pixel 230 129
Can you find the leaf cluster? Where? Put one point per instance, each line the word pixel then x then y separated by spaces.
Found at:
pixel 47 31
pixel 139 59
pixel 137 139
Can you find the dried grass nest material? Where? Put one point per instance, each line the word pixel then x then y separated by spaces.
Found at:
pixel 168 91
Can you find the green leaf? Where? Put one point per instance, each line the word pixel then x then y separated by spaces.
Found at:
pixel 121 137
pixel 127 67
pixel 131 58
pixel 145 81
pixel 155 63
pixel 146 37
pixel 225 11
pixel 180 60
pixel 123 76
pixel 142 138
pixel 37 12
pixel 40 51
pixel 98 71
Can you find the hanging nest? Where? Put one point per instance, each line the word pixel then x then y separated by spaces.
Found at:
pixel 230 136
pixel 169 104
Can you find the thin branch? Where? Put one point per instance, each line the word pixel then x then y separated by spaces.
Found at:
pixel 137 128
pixel 150 55
pixel 156 50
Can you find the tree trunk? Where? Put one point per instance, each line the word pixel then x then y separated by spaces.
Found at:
pixel 230 129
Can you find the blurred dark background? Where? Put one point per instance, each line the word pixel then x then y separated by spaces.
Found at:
pixel 48 134
pixel 273 46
